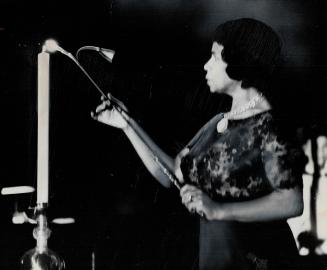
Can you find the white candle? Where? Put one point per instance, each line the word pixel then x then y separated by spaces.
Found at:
pixel 43 128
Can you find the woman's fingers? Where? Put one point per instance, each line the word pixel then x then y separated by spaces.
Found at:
pixel 187 188
pixel 94 115
pixel 187 198
pixel 107 114
pixel 105 105
pixel 196 207
pixel 191 196
pixel 101 107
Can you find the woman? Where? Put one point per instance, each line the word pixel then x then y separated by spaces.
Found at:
pixel 237 172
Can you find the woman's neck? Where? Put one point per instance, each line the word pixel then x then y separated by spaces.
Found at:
pixel 242 98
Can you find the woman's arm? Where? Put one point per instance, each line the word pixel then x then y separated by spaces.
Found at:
pixel 145 147
pixel 280 204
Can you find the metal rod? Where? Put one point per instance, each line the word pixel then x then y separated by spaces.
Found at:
pixel 117 104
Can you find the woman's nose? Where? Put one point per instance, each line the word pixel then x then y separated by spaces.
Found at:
pixel 206 65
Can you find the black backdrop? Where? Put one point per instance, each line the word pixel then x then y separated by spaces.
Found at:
pixel 122 215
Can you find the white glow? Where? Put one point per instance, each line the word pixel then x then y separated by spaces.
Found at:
pixel 304 251
pixel 17 190
pixel 64 220
pixel 51 45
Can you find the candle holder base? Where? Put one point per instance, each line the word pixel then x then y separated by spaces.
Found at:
pixel 46 260
pixel 41 257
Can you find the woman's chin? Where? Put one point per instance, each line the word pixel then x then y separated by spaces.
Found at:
pixel 214 90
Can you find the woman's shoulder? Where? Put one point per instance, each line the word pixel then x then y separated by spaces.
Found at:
pixel 282 138
pixel 274 123
pixel 280 126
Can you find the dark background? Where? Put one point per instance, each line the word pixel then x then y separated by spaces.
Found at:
pixel 122 215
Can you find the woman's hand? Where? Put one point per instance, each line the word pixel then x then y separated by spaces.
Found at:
pixel 107 114
pixel 197 201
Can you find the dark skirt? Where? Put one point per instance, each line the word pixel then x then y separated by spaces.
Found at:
pixel 226 245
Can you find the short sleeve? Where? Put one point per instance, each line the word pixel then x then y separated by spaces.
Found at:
pixel 283 162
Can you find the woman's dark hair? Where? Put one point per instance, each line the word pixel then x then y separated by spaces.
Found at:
pixel 251 50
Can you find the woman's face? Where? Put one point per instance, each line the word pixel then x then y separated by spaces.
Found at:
pixel 217 78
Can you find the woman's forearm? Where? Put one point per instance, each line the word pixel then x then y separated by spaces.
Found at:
pixel 147 149
pixel 281 204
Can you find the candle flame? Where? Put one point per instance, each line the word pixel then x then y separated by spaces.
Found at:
pixel 51 46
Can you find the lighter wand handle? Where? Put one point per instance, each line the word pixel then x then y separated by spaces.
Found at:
pixel 124 113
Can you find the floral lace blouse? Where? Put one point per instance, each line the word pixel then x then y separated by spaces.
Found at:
pixel 248 160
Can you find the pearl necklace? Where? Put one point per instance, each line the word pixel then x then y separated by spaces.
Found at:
pixel 223 123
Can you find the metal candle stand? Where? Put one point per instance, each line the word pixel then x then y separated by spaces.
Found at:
pixel 41 257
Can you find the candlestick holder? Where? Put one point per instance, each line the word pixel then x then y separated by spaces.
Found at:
pixel 41 257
